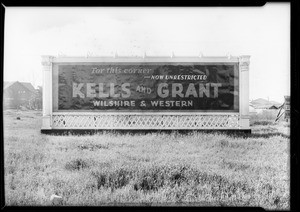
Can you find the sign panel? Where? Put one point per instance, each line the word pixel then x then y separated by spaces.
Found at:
pixel 148 87
pixel 287 108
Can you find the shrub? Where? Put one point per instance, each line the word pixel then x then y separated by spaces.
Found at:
pixel 112 178
pixel 92 147
pixel 263 122
pixel 76 164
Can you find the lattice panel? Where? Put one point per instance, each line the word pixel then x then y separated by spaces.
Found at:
pixel 145 121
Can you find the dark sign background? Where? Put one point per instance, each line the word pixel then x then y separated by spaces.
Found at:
pixel 140 75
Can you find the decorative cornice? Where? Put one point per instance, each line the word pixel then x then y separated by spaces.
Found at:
pixel 244 62
pixel 244 58
pixel 47 60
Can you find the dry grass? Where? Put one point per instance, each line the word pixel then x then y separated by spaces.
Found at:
pixel 154 169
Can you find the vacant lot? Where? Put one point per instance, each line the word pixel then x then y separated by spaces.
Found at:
pixel 153 169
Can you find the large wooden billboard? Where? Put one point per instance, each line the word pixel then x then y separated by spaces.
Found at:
pixel 146 87
pixel 146 93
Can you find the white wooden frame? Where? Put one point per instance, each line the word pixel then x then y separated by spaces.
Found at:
pixel 146 120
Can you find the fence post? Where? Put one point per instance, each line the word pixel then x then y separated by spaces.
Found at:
pixel 47 92
pixel 244 91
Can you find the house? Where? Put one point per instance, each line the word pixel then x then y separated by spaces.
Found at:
pixel 261 105
pixel 273 107
pixel 16 94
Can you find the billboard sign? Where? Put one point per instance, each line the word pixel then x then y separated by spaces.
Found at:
pixel 132 86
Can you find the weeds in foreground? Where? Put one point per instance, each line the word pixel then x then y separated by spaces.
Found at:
pixel 205 169
pixel 183 183
pixel 76 164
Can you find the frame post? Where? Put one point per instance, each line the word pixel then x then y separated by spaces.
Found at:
pixel 47 91
pixel 244 98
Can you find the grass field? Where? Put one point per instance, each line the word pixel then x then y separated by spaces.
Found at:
pixel 152 169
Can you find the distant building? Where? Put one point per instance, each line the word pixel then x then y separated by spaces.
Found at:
pixel 273 107
pixel 261 107
pixel 16 94
pixel 264 104
pixel 266 107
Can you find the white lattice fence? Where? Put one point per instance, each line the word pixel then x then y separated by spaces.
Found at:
pixel 145 121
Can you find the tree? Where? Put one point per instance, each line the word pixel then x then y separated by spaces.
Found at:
pixel 37 100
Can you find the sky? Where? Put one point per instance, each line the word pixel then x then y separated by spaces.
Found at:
pixel 261 32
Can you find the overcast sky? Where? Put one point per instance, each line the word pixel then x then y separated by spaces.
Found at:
pixel 263 33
